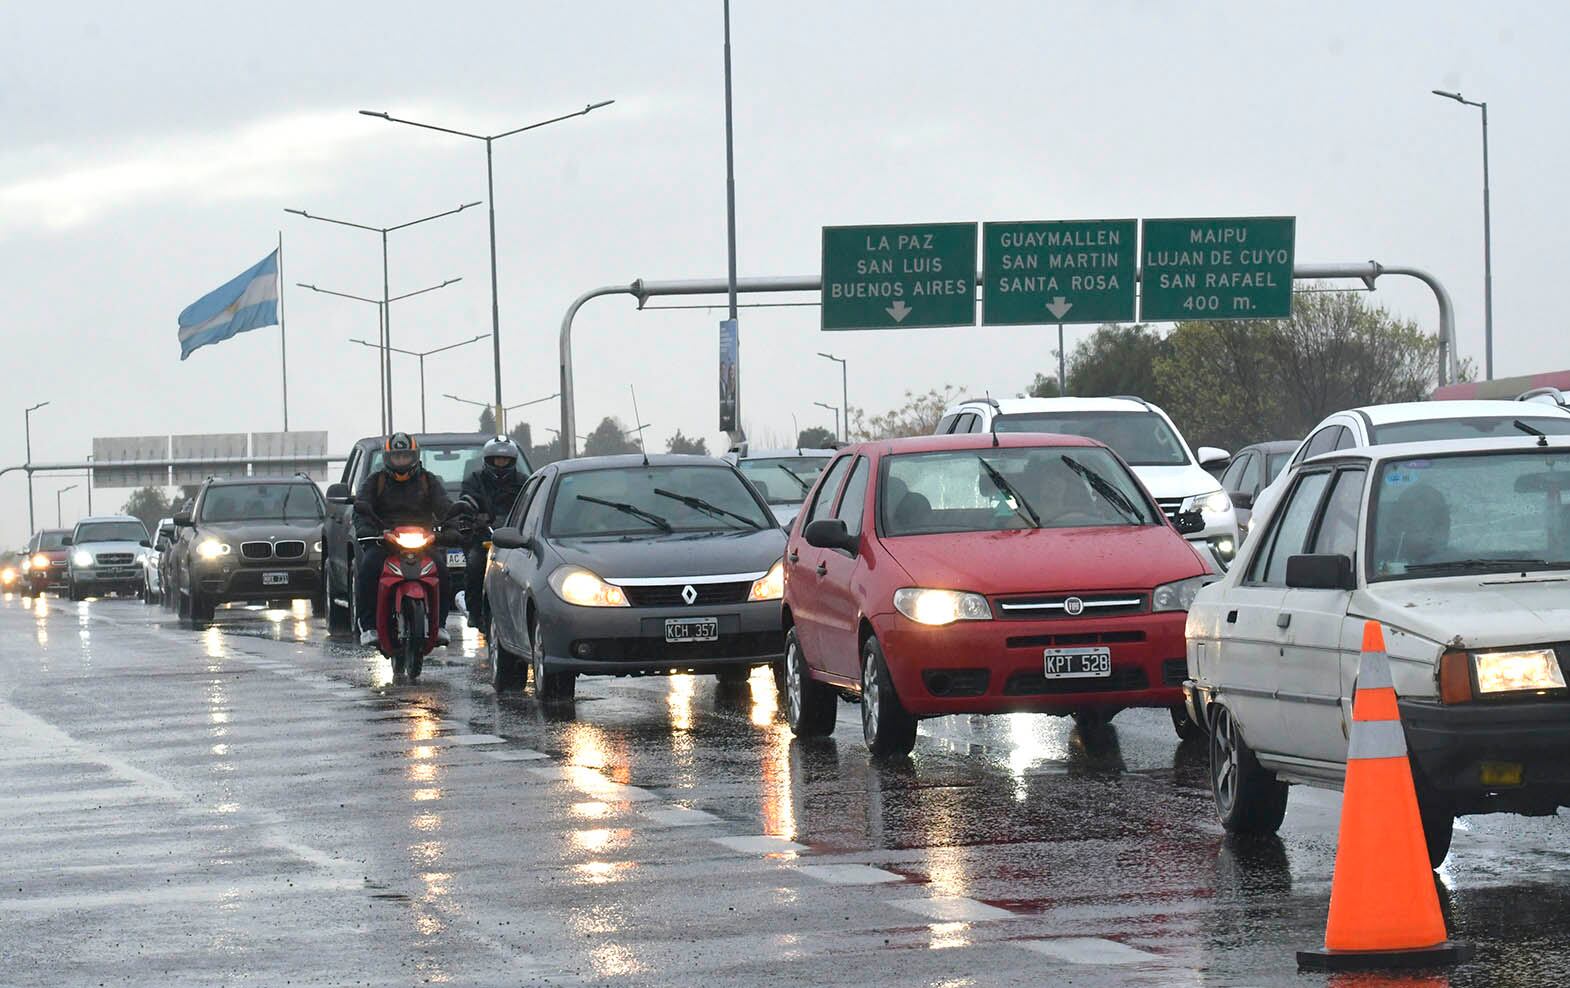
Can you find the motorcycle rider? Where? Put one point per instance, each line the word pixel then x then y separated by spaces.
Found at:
pixel 491 491
pixel 401 493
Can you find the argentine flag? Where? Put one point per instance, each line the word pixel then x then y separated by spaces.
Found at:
pixel 249 301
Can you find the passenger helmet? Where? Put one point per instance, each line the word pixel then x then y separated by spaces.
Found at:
pixel 401 455
pixel 501 456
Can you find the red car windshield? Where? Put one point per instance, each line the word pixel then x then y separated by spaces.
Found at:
pixel 998 489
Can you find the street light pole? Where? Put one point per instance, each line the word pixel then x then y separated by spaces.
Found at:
pixel 27 429
pixel 59 514
pixel 422 354
pixel 1488 242
pixel 501 423
pixel 836 412
pixel 490 199
pixel 844 393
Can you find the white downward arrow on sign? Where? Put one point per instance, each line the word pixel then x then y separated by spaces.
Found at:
pixel 899 310
pixel 1059 307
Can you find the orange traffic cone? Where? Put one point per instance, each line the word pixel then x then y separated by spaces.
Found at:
pixel 1384 911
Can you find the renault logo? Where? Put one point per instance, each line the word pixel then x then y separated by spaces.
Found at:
pixel 1073 606
pixel 689 594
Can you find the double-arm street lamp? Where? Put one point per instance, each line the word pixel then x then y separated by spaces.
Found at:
pixel 59 515
pixel 835 410
pixel 27 429
pixel 501 420
pixel 386 329
pixel 1488 244
pixel 422 354
pixel 383 303
pixel 490 198
pixel 844 393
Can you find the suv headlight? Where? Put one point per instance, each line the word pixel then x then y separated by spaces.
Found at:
pixel 1519 671
pixel 579 586
pixel 1179 594
pixel 771 586
pixel 1211 504
pixel 82 557
pixel 212 548
pixel 939 607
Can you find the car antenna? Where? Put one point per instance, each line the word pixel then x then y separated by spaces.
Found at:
pixel 642 446
pixel 796 426
pixel 993 427
pixel 1542 437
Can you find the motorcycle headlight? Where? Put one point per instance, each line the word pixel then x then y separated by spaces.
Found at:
pixel 771 586
pixel 937 607
pixel 1213 503
pixel 1519 671
pixel 412 540
pixel 212 548
pixel 579 586
pixel 1178 595
pixel 82 558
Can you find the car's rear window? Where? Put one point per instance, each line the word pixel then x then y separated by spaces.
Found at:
pixel 261 503
pixel 1468 428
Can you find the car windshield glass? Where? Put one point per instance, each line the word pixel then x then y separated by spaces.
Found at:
pixel 1277 461
pixel 997 489
pixel 52 540
pixel 643 500
pixel 1142 438
pixel 783 479
pixel 261 502
pixel 1473 428
pixel 449 464
pixel 1470 514
pixel 110 531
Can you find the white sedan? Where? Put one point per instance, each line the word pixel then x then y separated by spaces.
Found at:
pixel 1461 549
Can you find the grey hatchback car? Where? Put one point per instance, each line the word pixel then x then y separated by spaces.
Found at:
pixel 631 566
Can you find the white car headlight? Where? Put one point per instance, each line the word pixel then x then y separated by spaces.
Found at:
pixel 581 587
pixel 212 548
pixel 771 586
pixel 318 545
pixel 1211 504
pixel 1511 672
pixel 1178 595
pixel 82 557
pixel 941 606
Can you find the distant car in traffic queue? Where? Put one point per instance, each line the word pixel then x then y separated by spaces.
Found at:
pixel 1141 433
pixel 982 574
pixel 152 562
pixel 448 457
pixel 106 556
pixel 247 539
pixel 1461 551
pixel 1418 421
pixel 782 476
pixel 46 562
pixel 1253 468
pixel 629 566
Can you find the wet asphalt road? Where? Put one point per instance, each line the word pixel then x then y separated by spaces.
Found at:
pixel 257 804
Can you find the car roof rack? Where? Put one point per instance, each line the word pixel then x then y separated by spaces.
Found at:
pixel 1132 398
pixel 1551 392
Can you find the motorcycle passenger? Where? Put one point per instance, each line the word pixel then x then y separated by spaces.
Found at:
pixel 492 490
pixel 401 493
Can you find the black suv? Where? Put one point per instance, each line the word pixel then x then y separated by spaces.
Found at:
pixel 446 456
pixel 247 539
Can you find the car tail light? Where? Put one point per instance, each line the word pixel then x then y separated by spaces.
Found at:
pixel 1455 677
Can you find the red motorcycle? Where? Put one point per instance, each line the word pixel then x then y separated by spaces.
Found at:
pixel 408 600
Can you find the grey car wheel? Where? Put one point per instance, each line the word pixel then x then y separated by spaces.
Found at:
pixel 1249 798
pixel 890 731
pixel 810 706
pixel 508 671
pixel 548 686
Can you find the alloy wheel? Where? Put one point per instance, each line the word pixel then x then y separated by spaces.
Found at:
pixel 793 677
pixel 1224 760
pixel 869 698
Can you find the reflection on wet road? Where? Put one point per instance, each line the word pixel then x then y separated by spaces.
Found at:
pixel 256 802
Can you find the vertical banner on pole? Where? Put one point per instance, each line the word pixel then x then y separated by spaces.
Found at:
pixel 730 377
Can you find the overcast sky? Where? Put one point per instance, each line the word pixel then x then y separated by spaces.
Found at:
pixel 150 150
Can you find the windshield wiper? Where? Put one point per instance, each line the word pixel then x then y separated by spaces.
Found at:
pixel 629 509
pixel 707 507
pixel 805 487
pixel 1507 564
pixel 1104 487
pixel 1021 505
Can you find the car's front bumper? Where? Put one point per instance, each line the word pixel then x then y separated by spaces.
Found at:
pixel 52 578
pixel 238 583
pixel 105 579
pixel 630 641
pixel 1470 753
pixel 998 666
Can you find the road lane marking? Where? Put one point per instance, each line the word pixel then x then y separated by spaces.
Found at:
pixel 517 755
pixel 472 739
pixel 1088 950
pixel 848 874
pixel 679 816
pixel 760 844
pixel 951 909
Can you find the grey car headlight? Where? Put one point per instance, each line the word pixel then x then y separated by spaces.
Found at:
pixel 1211 504
pixel 1179 594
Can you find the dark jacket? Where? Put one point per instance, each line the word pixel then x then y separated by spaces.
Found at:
pixel 493 496
pixel 382 503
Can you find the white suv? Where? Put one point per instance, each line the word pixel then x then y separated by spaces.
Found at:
pixel 1139 432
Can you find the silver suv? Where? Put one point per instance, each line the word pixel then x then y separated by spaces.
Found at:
pixel 106 556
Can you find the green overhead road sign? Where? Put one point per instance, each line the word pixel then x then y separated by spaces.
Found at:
pixel 1239 268
pixel 899 277
pixel 1071 271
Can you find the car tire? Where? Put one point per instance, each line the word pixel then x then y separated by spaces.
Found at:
pixel 1438 818
pixel 203 608
pixel 1185 726
pixel 810 706
pixel 890 731
pixel 509 672
pixel 1249 798
pixel 549 687
pixel 1094 719
pixel 75 594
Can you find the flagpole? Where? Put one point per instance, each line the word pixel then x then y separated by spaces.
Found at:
pixel 283 340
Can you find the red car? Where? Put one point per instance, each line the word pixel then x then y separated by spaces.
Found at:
pixel 45 563
pixel 980 574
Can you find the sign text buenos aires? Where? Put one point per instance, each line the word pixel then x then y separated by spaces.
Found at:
pixel 889 277
pixel 1238 268
pixel 1068 271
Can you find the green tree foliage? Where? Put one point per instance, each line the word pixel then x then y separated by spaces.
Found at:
pixel 609 438
pixel 149 504
pixel 918 416
pixel 817 437
pixel 686 444
pixel 487 422
pixel 1114 360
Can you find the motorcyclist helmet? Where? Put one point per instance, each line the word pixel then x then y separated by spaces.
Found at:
pixel 401 455
pixel 501 456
